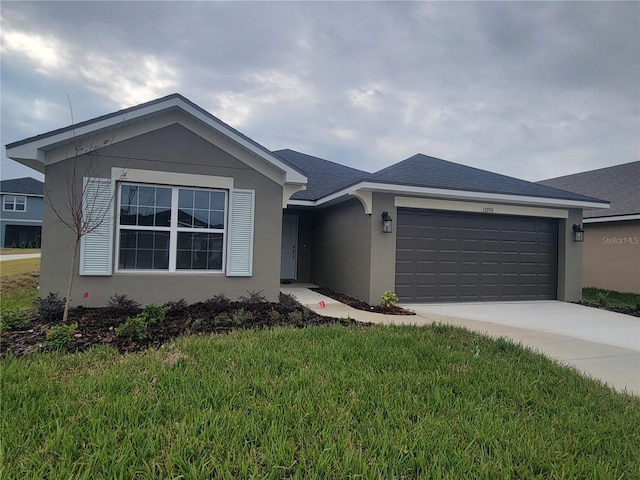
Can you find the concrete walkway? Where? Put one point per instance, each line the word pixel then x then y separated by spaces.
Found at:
pixel 18 256
pixel 600 344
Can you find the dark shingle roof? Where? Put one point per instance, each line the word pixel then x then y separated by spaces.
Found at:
pixel 424 171
pixel 324 177
pixel 26 186
pixel 619 184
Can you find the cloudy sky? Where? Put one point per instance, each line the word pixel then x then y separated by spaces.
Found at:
pixel 532 90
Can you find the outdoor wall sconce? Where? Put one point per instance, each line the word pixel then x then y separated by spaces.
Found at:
pixel 386 222
pixel 578 233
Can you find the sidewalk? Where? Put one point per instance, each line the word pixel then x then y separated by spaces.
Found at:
pixel 18 256
pixel 610 362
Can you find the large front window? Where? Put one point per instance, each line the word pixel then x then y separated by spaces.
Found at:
pixel 171 228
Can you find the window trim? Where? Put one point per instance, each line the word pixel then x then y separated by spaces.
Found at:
pixel 173 230
pixel 14 203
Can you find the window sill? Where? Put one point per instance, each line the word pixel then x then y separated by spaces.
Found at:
pixel 164 273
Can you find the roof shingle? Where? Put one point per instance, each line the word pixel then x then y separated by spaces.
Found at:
pixel 324 177
pixel 424 171
pixel 26 186
pixel 619 184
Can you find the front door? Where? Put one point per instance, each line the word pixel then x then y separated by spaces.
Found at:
pixel 289 249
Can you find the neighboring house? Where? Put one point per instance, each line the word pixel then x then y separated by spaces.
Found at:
pixel 612 236
pixel 193 208
pixel 21 218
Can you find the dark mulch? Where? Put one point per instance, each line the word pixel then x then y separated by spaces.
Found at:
pixel 97 325
pixel 359 304
pixel 626 310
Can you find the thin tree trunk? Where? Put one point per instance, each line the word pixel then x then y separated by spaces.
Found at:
pixel 74 260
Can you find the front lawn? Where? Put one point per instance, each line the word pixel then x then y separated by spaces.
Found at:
pixel 19 283
pixel 317 402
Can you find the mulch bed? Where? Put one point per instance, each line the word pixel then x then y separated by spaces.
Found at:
pixel 359 304
pixel 97 325
pixel 635 312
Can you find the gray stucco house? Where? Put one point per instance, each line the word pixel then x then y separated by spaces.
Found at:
pixel 193 208
pixel 21 215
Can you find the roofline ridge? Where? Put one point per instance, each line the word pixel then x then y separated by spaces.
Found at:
pixel 587 171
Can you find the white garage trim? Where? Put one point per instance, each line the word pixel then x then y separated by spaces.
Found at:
pixel 486 208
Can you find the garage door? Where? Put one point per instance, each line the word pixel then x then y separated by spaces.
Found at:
pixel 457 257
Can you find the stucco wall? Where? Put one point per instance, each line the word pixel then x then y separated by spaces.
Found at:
pixel 341 249
pixel 569 259
pixel 170 149
pixel 383 249
pixel 612 255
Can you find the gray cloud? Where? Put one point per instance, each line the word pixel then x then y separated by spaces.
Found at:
pixel 532 90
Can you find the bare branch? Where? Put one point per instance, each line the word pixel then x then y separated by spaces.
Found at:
pixel 80 205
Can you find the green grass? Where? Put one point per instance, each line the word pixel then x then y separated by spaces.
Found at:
pixel 322 402
pixel 18 267
pixel 19 283
pixel 20 299
pixel 23 297
pixel 610 298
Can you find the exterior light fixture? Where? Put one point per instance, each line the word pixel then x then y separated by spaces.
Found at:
pixel 578 233
pixel 386 222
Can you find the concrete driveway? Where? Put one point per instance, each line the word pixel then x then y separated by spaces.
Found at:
pixel 601 344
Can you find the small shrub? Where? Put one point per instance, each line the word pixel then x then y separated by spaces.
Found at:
pixel 603 298
pixel 288 301
pixel 197 324
pixel 137 328
pixel 13 319
pixel 254 298
pixel 154 313
pixel 274 316
pixel 218 302
pixel 134 328
pixel 222 319
pixel 51 308
pixel 241 316
pixel 177 305
pixel 59 337
pixel 296 318
pixel 123 305
pixel 388 299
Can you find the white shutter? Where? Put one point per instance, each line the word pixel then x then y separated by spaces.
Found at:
pixel 96 246
pixel 240 233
